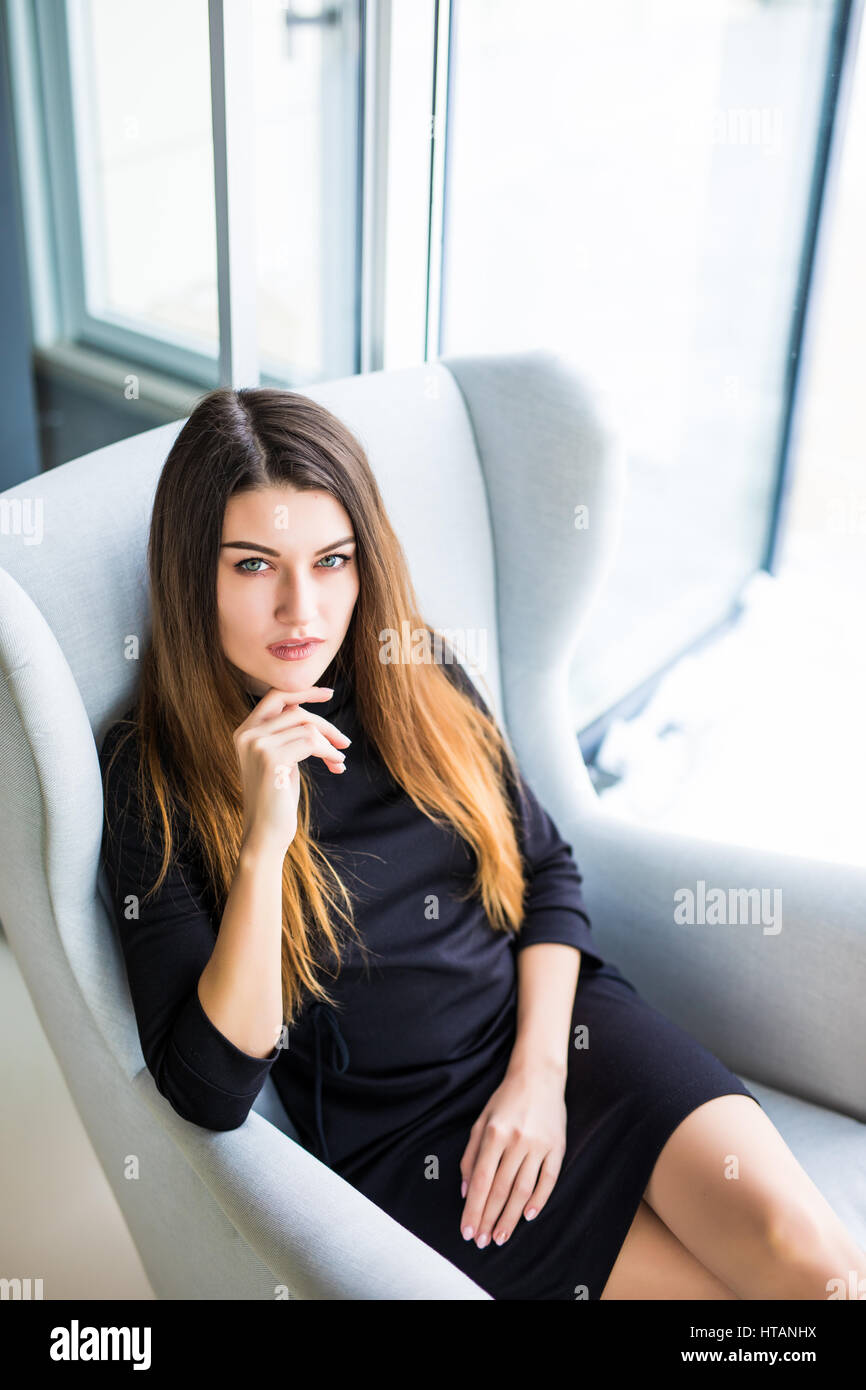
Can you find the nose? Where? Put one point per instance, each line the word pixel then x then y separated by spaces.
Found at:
pixel 296 600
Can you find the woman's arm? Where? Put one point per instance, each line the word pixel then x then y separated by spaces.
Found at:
pixel 547 974
pixel 240 988
pixel 207 1074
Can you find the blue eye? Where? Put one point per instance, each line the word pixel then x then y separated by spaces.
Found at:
pixel 345 558
pixel 257 560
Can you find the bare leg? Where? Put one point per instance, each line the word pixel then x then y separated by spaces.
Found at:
pixel 729 1188
pixel 652 1264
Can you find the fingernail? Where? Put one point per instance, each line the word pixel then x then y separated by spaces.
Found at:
pixel 533 1211
pixel 482 1241
pixel 500 1238
pixel 463 1188
pixel 467 1232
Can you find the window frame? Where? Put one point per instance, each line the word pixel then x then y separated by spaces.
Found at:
pixel 46 39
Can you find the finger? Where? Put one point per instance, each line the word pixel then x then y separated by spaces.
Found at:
pixel 277 699
pixel 325 725
pixel 470 1153
pixel 550 1170
pixel 483 1173
pixel 274 702
pixel 293 718
pixel 524 1188
pixel 303 742
pixel 510 1166
pixel 316 746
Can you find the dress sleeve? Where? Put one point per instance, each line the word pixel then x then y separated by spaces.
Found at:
pixel 555 909
pixel 166 944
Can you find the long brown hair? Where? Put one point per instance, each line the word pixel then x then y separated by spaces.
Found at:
pixel 438 745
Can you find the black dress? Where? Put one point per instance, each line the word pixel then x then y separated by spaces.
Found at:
pixel 386 1087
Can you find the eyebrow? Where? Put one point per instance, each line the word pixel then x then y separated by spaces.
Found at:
pixel 266 550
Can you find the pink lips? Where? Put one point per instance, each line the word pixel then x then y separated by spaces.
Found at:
pixel 294 651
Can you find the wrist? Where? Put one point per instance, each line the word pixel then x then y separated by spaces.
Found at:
pixel 527 1060
pixel 257 852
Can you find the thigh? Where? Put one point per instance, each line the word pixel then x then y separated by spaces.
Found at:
pixel 629 1052
pixel 653 1264
pixel 726 1184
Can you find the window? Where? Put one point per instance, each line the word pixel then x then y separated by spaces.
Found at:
pixel 630 184
pixel 154 251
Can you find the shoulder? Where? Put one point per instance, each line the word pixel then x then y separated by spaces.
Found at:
pixel 124 795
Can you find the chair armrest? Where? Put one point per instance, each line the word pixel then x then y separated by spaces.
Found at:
pixel 779 1001
pixel 320 1236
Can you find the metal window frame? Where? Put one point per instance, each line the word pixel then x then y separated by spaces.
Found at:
pixel 408 147
pixel 835 103
pixel 442 86
pixel 233 126
pixel 375 24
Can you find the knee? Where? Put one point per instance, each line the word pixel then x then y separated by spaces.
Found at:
pixel 797 1237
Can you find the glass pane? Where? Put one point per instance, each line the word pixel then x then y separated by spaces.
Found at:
pixel 628 184
pixel 306 86
pixel 141 83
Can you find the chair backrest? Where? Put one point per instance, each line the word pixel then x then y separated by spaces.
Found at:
pixel 490 551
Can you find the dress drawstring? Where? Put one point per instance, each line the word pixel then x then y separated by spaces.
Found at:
pixel 338 1058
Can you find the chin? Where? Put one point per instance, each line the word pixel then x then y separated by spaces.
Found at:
pixel 297 679
pixel 293 676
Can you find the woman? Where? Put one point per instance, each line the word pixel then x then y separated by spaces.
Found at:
pixel 327 867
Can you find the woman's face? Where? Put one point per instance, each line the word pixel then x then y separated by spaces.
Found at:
pixel 287 570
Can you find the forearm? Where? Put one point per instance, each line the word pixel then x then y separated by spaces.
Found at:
pixel 240 988
pixel 547 980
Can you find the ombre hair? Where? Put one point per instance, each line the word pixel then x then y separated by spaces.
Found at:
pixel 445 751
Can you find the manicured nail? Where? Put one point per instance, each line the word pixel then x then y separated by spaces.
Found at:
pixel 501 1238
pixel 467 1232
pixel 533 1211
pixel 463 1188
pixel 482 1241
